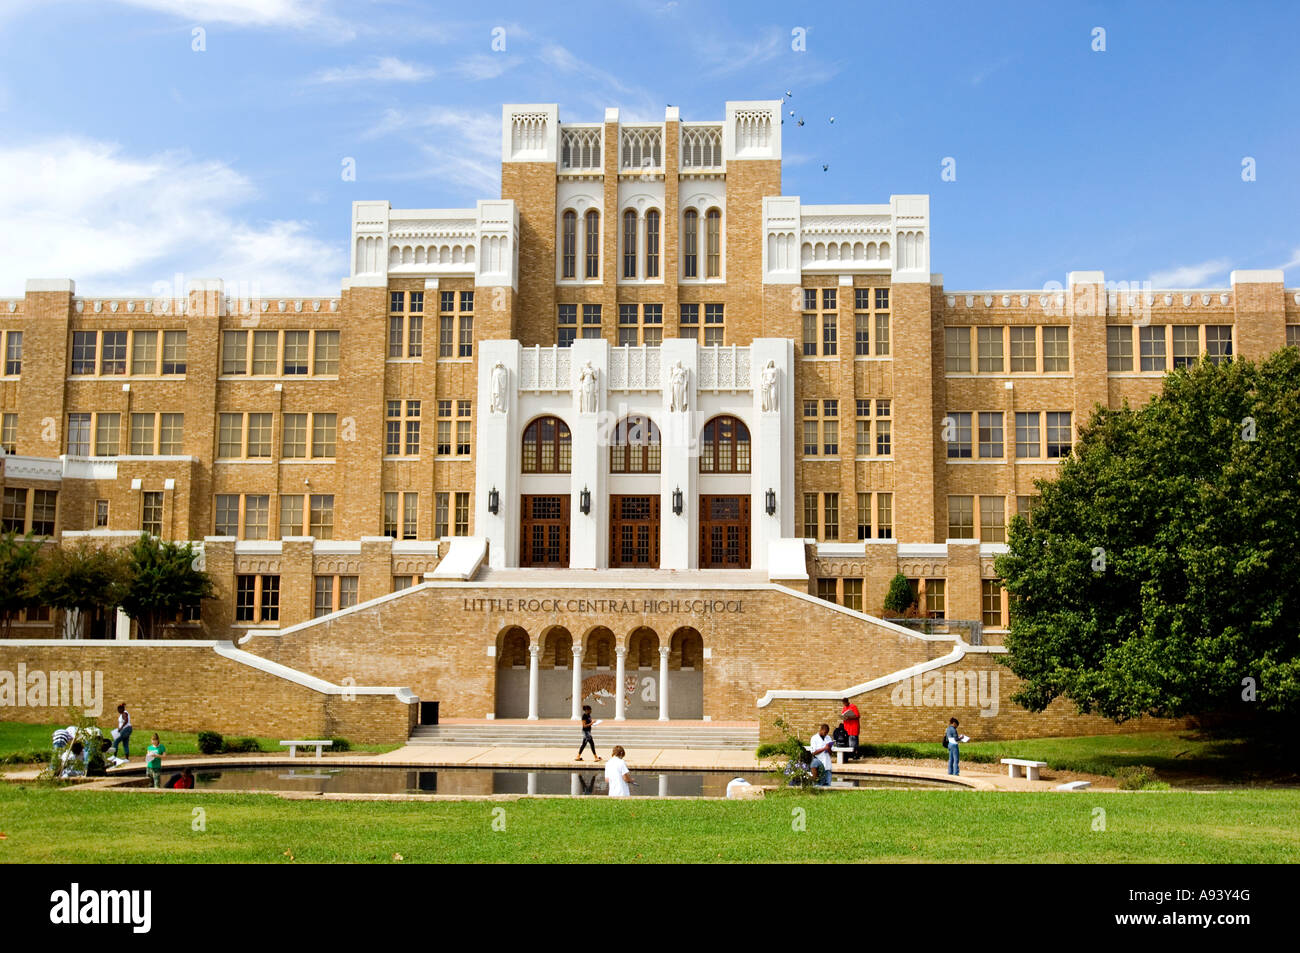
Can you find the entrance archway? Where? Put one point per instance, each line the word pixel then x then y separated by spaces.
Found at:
pixel 555 674
pixel 643 673
pixel 686 674
pixel 512 673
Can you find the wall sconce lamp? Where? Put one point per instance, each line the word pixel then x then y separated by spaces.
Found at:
pixel 494 501
pixel 677 501
pixel 584 501
pixel 771 502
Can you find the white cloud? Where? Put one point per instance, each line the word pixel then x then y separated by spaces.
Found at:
pixel 484 66
pixel 459 146
pixel 603 88
pixel 1293 261
pixel 291 13
pixel 387 69
pixel 118 223
pixel 1191 276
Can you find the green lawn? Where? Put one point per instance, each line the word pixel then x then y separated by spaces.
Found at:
pixel 47 824
pixel 21 738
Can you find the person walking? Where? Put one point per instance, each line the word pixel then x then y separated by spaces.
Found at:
pixel 616 774
pixel 953 740
pixel 153 761
pixel 852 725
pixel 122 735
pixel 586 735
pixel 821 751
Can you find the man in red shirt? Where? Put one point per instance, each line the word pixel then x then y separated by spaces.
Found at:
pixel 852 724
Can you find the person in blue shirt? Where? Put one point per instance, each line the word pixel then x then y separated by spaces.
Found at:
pixel 954 754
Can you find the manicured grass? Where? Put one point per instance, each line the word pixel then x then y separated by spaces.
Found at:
pixel 1175 755
pixel 48 824
pixel 18 737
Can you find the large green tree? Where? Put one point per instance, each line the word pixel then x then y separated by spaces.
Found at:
pixel 20 561
pixel 161 580
pixel 80 580
pixel 1161 571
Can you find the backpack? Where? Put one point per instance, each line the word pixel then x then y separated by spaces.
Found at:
pixel 945 739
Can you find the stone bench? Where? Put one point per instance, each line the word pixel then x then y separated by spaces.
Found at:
pixel 841 752
pixel 1020 768
pixel 293 746
pixel 1074 786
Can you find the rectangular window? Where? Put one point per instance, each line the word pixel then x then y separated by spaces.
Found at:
pixel 265 347
pixel 14 353
pixel 446 335
pixel 112 352
pixel 463 427
pixel 83 352
pixel 410 515
pixel 417 302
pixel 829 299
pixel 652 321
pixel 108 439
pixel 396 334
pixel 712 244
pixel 78 435
pixel 864 516
pixel 882 299
pixel 830 334
pixel 566 324
pixel 465 347
pixel 325 360
pixel 830 427
pixel 882 333
pixel 294 442
pixel 44 507
pixel 440 514
pixel 323 430
pixel 390 514
pixel 691 244
pixel 627 325
pixel 234 352
pixel 935 591
pixel 413 428
pixel 397 301
pixel 884 516
pixel 171 434
pixel 290 516
pixel 713 325
pixel 296 349
pixel 1293 335
pixel 142 434
pixel 991 601
pixel 1056 350
pixel 226 511
pixel 151 513
pixel 1151 344
pixel 826 589
pixel 324 602
pixel 956 350
pixel 257 516
pixel 956 432
pixel 652 244
pixel 1059 437
pixel 443 446
pixel 591 322
pixel 810 443
pixel 831 510
pixel 988 344
pixel 101 514
pixel 1024 350
pixel 861 335
pixel 175 352
pixel 1025 506
pixel 853 594
pixel 462 514
pixel 1028 445
pixel 13 519
pixel 863 429
pixel 689 320
pixel 990 436
pixel 403 582
pixel 809 335
pixel 884 436
pixel 1119 348
pixel 569 245
pixel 322 516
pixel 257 599
pixel 591 248
pixel 961 517
pixel 1218 343
pixel 810 515
pixel 144 352
pixel 993 519
pixel 259 435
pixel 629 244
pixel 1186 344
pixel 9 433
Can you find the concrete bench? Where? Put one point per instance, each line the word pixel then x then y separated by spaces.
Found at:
pixel 293 746
pixel 841 752
pixel 1020 768
pixel 1074 786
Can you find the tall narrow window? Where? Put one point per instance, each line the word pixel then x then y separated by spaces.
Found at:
pixel 566 325
pixel 629 244
pixel 112 352
pixel 691 244
pixel 151 513
pixel 569 245
pixel 884 515
pixel 652 243
pixel 14 353
pixel 713 243
pixel 1056 350
pixel 144 352
pixel 592 248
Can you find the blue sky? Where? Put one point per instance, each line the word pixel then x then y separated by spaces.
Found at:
pixel 128 157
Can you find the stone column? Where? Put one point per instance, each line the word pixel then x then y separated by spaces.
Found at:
pixel 620 702
pixel 663 683
pixel 577 683
pixel 532 782
pixel 575 784
pixel 663 785
pixel 534 651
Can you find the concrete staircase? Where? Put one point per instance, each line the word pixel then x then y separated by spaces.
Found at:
pixel 676 735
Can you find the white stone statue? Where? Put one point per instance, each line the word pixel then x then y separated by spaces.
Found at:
pixel 500 388
pixel 771 379
pixel 677 381
pixel 587 389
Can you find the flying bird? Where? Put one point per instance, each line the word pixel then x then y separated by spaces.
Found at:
pixel 801 120
pixel 789 95
pixel 826 168
pixel 832 120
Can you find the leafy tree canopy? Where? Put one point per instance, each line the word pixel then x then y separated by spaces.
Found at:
pixel 162 580
pixel 1161 570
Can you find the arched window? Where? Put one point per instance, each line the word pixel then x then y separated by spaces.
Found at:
pixel 724 447
pixel 629 244
pixel 652 243
pixel 569 245
pixel 548 446
pixel 634 446
pixel 713 243
pixel 593 244
pixel 691 244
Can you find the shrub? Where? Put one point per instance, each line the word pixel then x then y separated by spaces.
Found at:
pixel 899 598
pixel 791 765
pixel 26 757
pixel 210 742
pixel 340 744
pixel 241 745
pixel 1135 777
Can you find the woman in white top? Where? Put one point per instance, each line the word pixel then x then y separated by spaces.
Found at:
pixel 616 776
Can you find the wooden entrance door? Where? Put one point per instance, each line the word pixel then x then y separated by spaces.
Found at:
pixel 724 532
pixel 544 531
pixel 634 532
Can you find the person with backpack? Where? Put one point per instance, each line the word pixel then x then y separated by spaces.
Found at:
pixel 952 741
pixel 122 734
